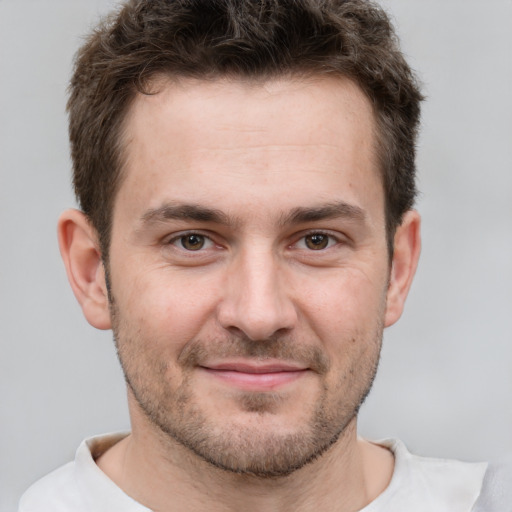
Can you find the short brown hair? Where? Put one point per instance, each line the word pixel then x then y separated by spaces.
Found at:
pixel 249 39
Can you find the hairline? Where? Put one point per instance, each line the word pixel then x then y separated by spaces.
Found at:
pixel 165 79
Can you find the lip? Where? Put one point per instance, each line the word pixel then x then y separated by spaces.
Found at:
pixel 255 376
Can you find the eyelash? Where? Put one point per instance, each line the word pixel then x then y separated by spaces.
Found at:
pixel 332 240
pixel 183 236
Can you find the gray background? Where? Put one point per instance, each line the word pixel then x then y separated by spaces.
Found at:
pixel 445 383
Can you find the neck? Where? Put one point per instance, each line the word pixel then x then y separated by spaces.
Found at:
pixel 166 477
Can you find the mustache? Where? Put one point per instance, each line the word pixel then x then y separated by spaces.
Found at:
pixel 198 352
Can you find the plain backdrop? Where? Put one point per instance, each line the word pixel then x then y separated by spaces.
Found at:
pixel 445 382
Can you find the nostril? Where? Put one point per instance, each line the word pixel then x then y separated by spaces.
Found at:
pixel 257 325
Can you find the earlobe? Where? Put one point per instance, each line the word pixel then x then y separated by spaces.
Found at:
pixel 82 258
pixel 407 247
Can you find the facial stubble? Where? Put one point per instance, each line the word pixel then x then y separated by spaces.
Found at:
pixel 246 447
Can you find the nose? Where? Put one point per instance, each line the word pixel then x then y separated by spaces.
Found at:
pixel 257 298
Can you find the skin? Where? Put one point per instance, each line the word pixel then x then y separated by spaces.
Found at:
pixel 249 286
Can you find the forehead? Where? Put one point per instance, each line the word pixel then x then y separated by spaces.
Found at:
pixel 317 106
pixel 209 139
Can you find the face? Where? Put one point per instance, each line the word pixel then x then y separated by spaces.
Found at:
pixel 248 267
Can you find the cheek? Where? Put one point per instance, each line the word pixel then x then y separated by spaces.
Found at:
pixel 347 317
pixel 163 308
pixel 346 300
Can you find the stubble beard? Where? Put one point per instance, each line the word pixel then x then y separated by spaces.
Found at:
pixel 248 448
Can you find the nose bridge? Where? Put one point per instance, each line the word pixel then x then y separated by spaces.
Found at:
pixel 256 299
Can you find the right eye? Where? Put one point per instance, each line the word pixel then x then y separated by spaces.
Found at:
pixel 317 241
pixel 192 242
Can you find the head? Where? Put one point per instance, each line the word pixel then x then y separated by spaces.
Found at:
pixel 249 41
pixel 244 169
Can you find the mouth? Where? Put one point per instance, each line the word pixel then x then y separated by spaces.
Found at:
pixel 254 376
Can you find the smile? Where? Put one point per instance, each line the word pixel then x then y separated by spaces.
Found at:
pixel 251 377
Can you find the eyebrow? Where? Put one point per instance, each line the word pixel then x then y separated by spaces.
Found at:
pixel 185 212
pixel 336 210
pixel 299 215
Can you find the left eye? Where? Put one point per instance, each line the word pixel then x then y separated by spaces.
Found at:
pixel 192 242
pixel 317 241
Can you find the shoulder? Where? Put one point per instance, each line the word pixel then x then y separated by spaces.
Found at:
pixel 496 493
pixel 454 474
pixel 78 486
pixel 58 491
pixel 426 484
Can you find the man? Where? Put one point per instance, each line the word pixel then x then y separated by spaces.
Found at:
pixel 245 172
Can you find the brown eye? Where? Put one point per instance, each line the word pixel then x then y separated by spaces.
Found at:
pixel 192 242
pixel 316 241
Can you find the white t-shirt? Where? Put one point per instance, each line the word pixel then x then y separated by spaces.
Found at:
pixel 418 484
pixel 496 493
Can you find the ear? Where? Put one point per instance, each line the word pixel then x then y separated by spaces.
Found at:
pixel 406 253
pixel 80 251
